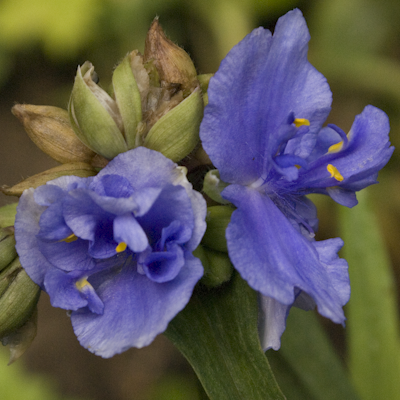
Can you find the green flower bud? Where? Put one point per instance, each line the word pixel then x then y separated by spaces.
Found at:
pixel 80 169
pixel 213 186
pixel 218 218
pixel 95 116
pixel 18 298
pixel 7 215
pixel 49 128
pixel 7 247
pixel 176 134
pixel 127 94
pixel 217 266
pixel 19 340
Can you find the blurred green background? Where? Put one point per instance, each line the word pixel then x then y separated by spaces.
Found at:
pixel 355 44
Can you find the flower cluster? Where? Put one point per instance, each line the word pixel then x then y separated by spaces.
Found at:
pixel 115 249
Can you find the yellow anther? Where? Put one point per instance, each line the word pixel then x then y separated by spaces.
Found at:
pixel 121 247
pixel 81 283
pixel 70 238
pixel 301 121
pixel 334 172
pixel 335 147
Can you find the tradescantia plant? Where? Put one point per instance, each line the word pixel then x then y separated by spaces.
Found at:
pixel 121 241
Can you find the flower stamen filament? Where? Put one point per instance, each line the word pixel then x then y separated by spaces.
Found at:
pixel 70 238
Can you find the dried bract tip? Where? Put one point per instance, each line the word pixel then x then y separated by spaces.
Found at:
pixel 49 128
pixel 173 64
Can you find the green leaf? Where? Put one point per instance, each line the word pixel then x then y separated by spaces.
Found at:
pixel 373 334
pixel 217 333
pixel 311 359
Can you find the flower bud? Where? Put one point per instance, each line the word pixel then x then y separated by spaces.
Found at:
pixel 7 247
pixel 128 95
pixel 213 186
pixel 204 80
pixel 18 298
pixel 49 128
pixel 173 64
pixel 95 116
pixel 218 218
pixel 78 169
pixel 19 340
pixel 7 215
pixel 176 134
pixel 217 266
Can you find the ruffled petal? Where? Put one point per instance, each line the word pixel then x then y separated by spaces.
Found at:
pixel 136 308
pixel 67 256
pixel 163 266
pixel 62 289
pixel 173 204
pixel 368 150
pixel 26 228
pixel 128 230
pixel 262 81
pixel 275 259
pixel 143 168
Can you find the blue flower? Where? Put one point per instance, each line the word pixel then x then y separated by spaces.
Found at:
pixel 263 131
pixel 115 249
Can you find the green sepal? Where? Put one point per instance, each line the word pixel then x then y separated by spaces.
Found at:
pixel 217 266
pixel 218 218
pixel 7 247
pixel 176 134
pixel 217 333
pixel 128 99
pixel 18 298
pixel 213 186
pixel 7 215
pixel 92 123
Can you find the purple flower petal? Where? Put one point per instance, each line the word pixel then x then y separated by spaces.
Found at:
pixel 259 84
pixel 275 259
pixel 136 308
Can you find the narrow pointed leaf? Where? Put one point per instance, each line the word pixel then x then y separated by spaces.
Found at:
pixel 373 325
pixel 312 360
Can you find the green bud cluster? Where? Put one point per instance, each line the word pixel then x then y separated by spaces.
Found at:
pixel 18 298
pixel 156 102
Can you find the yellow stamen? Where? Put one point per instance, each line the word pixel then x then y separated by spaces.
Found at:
pixel 334 172
pixel 335 147
pixel 70 238
pixel 81 283
pixel 121 247
pixel 301 121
